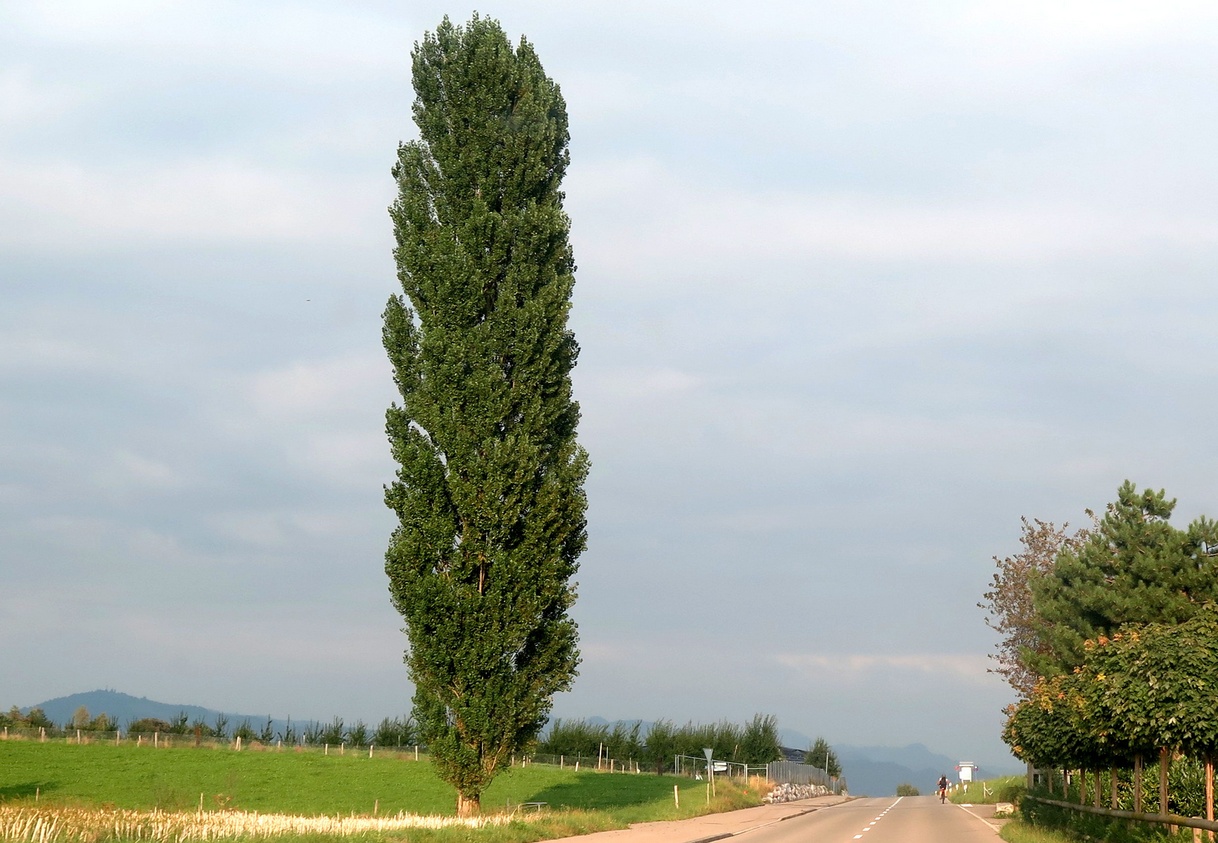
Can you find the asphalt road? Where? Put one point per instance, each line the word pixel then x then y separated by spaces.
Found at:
pixel 825 819
pixel 910 819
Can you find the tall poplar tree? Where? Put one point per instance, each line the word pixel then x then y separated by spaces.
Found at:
pixel 489 489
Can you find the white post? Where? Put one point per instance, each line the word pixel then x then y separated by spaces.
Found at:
pixel 369 750
pixel 676 795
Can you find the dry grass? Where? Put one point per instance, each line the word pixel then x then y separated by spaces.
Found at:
pixel 80 825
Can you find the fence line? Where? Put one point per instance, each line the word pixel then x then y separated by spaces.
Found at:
pixel 777 772
pixel 1161 819
pixel 789 772
pixel 168 740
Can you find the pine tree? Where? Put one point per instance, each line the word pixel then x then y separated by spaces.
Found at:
pixel 1134 568
pixel 489 490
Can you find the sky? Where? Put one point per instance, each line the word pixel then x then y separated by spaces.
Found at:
pixel 859 285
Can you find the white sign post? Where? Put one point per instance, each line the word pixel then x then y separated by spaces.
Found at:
pixel 710 766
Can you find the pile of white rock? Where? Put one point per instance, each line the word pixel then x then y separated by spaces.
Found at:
pixel 795 792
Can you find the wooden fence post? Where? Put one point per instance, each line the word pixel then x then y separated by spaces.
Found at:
pixel 1209 790
pixel 1164 761
pixel 1137 783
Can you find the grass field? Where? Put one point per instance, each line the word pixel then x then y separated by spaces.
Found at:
pixel 76 780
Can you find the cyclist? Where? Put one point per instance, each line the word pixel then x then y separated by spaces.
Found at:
pixel 942 788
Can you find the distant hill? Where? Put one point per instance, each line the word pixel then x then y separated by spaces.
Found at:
pixel 877 770
pixel 124 709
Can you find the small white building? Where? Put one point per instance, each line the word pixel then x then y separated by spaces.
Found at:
pixel 965 770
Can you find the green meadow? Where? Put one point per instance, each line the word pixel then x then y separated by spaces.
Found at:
pixel 310 783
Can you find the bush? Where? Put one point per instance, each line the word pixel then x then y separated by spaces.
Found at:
pixel 147 725
pixel 907 789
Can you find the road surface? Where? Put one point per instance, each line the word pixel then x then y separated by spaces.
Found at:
pixel 822 819
pixel 893 819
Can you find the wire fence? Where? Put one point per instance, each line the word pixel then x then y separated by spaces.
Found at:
pixel 777 772
pixel 179 740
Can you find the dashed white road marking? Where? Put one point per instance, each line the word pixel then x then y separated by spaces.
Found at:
pixel 859 836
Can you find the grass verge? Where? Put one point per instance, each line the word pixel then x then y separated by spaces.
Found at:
pixel 1017 831
pixel 1003 789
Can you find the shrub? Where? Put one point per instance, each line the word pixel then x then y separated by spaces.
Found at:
pixel 147 725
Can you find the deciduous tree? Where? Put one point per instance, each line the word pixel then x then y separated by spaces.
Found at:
pixel 489 490
pixel 1009 600
pixel 820 754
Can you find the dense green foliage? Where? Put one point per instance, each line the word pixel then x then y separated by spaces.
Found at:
pixel 1065 824
pixel 1125 633
pixel 821 755
pixel 756 742
pixel 489 490
pixel 1132 657
pixel 1134 568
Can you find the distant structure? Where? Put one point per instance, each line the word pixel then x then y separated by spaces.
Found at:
pixel 965 770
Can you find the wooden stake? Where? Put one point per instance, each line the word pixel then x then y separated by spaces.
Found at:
pixel 1163 762
pixel 1209 790
pixel 1137 784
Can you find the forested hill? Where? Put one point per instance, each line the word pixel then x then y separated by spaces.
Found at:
pixel 124 709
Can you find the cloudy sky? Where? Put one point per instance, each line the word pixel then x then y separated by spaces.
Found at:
pixel 859 285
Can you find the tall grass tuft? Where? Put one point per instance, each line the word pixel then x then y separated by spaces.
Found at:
pixel 80 825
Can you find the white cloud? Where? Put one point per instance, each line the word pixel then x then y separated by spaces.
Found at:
pixel 636 383
pixel 679 234
pixel 201 201
pixel 129 470
pixel 853 668
pixel 313 389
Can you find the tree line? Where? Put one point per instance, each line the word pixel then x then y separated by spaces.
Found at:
pixel 392 731
pixel 1109 636
pixel 657 746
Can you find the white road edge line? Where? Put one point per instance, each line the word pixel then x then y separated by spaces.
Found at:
pixel 993 826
